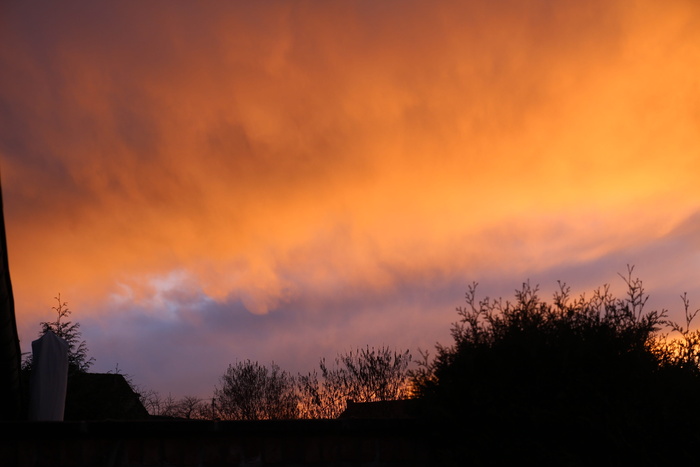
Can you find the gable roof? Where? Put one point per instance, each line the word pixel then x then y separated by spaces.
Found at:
pixel 102 396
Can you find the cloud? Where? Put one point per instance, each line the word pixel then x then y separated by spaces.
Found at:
pixel 338 165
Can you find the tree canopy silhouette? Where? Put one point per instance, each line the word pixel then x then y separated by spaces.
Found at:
pixel 363 375
pixel 251 391
pixel 78 360
pixel 575 380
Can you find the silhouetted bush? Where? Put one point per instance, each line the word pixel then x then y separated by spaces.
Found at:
pixel 363 375
pixel 579 382
pixel 251 391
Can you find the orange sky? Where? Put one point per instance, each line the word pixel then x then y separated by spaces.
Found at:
pixel 285 180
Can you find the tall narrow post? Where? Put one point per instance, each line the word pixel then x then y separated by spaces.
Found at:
pixel 10 354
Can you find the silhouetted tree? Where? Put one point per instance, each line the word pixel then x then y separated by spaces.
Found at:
pixel 156 404
pixel 188 407
pixel 363 375
pixel 78 360
pixel 192 407
pixel 250 391
pixel 579 381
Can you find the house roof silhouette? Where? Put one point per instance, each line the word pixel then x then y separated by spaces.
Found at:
pixel 102 396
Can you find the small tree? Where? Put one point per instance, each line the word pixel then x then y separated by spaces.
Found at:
pixel 78 360
pixel 189 407
pixel 250 391
pixel 192 407
pixel 363 375
pixel 156 404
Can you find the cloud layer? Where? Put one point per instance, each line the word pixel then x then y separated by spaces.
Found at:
pixel 283 180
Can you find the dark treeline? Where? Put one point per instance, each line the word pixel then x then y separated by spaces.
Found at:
pixel 249 390
pixel 595 380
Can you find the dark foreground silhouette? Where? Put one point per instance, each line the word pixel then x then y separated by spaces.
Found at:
pixel 574 382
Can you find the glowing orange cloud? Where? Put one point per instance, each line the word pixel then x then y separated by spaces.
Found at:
pixel 264 152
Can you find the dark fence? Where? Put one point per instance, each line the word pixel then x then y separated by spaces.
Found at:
pixel 349 442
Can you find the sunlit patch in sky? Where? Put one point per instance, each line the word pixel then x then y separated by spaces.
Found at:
pixel 162 295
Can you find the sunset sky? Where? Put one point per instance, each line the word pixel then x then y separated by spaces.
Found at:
pixel 209 182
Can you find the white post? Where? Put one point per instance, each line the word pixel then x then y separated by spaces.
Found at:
pixel 49 378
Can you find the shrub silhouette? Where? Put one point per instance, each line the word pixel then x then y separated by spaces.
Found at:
pixel 362 375
pixel 584 381
pixel 251 391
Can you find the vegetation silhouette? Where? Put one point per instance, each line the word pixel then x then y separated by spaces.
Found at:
pixel 251 391
pixel 167 407
pixel 78 360
pixel 364 375
pixel 573 382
